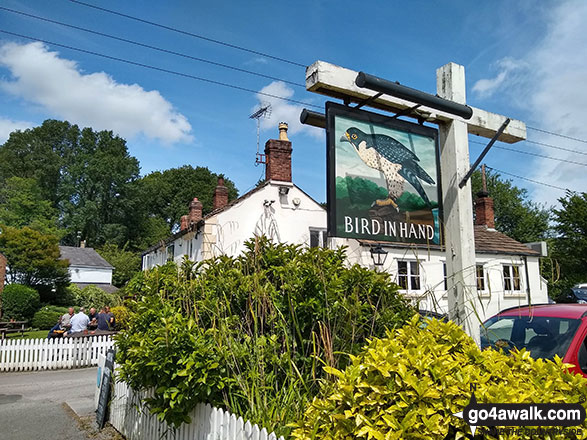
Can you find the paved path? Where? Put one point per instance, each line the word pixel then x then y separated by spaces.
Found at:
pixel 31 403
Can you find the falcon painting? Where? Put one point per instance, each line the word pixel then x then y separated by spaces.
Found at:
pixel 389 156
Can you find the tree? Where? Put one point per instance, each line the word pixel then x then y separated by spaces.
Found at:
pixel 167 194
pixel 21 204
pixel 126 264
pixel 569 246
pixel 515 215
pixel 33 260
pixel 86 175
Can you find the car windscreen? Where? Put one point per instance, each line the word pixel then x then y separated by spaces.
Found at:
pixel 544 337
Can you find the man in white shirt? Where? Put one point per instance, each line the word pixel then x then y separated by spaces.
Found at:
pixel 79 321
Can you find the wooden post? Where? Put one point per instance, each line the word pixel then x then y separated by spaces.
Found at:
pixel 463 303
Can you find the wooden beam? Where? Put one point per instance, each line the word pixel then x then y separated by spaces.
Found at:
pixel 338 82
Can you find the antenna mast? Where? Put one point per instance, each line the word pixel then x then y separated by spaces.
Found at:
pixel 263 112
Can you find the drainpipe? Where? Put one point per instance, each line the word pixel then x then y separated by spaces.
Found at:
pixel 525 258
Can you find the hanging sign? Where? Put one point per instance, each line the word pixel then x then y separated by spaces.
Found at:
pixel 383 178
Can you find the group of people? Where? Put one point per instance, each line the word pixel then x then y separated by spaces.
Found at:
pixel 72 322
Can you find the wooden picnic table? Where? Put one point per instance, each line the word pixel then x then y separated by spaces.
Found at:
pixel 12 327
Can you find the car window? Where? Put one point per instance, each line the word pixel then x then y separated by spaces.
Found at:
pixel 544 337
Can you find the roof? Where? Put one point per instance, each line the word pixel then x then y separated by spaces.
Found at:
pixel 84 257
pixel 487 241
pixel 573 311
pixel 108 288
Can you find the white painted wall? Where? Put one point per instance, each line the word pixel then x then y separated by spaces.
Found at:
pixel 81 274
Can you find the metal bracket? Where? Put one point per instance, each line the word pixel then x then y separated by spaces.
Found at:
pixel 484 152
pixel 368 100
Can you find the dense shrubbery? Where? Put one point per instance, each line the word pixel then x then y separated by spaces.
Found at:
pixel 251 333
pixel 91 296
pixel 409 384
pixel 121 315
pixel 19 302
pixel 47 317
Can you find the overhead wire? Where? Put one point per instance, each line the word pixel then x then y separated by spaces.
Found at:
pixel 525 178
pixel 161 69
pixel 541 130
pixel 148 46
pixel 191 34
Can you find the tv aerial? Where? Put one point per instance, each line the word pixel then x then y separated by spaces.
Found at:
pixel 264 111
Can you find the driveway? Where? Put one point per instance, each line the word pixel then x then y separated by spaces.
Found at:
pixel 32 403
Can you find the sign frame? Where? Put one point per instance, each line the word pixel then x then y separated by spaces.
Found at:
pixel 332 111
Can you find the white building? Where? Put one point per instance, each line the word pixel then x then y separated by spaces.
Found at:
pixel 88 268
pixel 507 271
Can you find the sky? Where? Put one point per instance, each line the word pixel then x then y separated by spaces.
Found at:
pixel 523 59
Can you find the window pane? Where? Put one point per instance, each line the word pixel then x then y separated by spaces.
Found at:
pixel 415 281
pixel 445 281
pixel 402 267
pixel 314 238
pixel 516 277
pixel 480 277
pixel 414 268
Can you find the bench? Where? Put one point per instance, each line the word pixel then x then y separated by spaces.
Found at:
pixel 12 327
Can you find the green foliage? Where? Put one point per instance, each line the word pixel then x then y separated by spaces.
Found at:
pixel 569 247
pixel 409 384
pixel 413 202
pixel 269 318
pixel 19 302
pixel 33 260
pixel 515 215
pixel 121 317
pixel 22 204
pixel 47 317
pixel 92 296
pixel 168 193
pixel 126 264
pixel 361 193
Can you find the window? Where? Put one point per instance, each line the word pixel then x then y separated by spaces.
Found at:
pixel 511 277
pixel 317 238
pixel 408 275
pixel 445 279
pixel 170 252
pixel 480 276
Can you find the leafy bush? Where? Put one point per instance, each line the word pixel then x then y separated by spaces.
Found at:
pixel 92 296
pixel 19 302
pixel 256 327
pixel 121 315
pixel 47 317
pixel 409 384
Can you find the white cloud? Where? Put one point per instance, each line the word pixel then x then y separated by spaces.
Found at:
pixel 59 86
pixel 283 111
pixel 506 68
pixel 7 126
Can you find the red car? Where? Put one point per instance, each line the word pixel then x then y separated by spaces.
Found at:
pixel 544 330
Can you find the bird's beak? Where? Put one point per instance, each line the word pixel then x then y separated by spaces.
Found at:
pixel 345 137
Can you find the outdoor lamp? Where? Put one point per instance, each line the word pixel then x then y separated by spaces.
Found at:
pixel 378 254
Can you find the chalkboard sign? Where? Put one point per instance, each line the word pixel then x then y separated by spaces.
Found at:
pixel 105 389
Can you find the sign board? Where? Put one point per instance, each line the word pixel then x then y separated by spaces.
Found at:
pixel 105 384
pixel 383 178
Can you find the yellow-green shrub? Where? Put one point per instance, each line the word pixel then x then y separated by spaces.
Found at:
pixel 409 384
pixel 121 315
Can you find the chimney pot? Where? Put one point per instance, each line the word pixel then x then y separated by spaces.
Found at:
pixel 220 195
pixel 185 222
pixel 278 156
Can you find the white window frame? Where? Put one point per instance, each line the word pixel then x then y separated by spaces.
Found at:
pixel 484 290
pixel 409 276
pixel 321 237
pixel 510 277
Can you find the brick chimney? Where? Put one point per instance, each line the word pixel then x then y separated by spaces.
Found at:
pixel 484 214
pixel 185 222
pixel 195 214
pixel 220 194
pixel 278 156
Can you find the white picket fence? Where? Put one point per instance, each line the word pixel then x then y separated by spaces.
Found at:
pixel 51 354
pixel 129 416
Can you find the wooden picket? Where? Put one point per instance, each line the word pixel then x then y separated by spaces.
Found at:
pixel 130 417
pixel 51 354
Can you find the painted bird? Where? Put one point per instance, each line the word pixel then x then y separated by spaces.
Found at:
pixel 393 159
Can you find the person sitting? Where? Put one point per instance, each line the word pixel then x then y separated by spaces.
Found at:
pixel 102 320
pixel 79 321
pixel 111 318
pixel 64 323
pixel 93 318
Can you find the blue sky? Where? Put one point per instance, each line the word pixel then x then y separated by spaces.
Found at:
pixel 524 59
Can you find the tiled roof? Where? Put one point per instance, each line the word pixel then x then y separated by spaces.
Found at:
pixel 487 241
pixel 108 288
pixel 86 257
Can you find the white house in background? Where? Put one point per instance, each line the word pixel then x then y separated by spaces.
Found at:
pixel 88 268
pixel 507 271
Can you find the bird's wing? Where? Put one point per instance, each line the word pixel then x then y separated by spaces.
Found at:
pixel 392 149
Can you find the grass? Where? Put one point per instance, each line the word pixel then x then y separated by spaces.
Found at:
pixel 31 334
